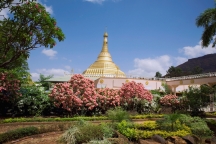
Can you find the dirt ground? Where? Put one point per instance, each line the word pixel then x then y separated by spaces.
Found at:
pixel 47 138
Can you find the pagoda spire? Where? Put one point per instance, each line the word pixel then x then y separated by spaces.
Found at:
pixel 104 54
pixel 104 66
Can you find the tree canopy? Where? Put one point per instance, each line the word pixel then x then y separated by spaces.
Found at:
pixel 28 27
pixel 207 19
pixel 158 75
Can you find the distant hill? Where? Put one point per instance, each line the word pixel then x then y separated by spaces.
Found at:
pixel 207 63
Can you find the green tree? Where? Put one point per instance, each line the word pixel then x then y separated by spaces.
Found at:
pixel 207 19
pixel 158 75
pixel 28 27
pixel 43 81
pixel 197 70
pixel 174 72
pixel 197 98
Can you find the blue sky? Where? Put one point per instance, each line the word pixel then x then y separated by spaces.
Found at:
pixel 145 36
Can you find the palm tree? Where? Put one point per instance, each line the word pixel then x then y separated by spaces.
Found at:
pixel 207 19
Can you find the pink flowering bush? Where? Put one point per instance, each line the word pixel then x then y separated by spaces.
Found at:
pixel 133 93
pixel 169 100
pixel 9 85
pixel 79 96
pixel 107 98
pixel 76 95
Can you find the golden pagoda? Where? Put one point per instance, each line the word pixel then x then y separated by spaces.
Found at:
pixel 104 66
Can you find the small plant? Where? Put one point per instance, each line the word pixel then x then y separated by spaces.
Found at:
pixel 117 114
pixel 89 132
pixel 69 135
pixel 147 125
pixel 18 133
pixel 105 141
pixel 108 131
pixel 174 122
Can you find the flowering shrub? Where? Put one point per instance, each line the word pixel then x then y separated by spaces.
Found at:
pixel 77 94
pixel 9 85
pixel 108 98
pixel 169 100
pixel 132 93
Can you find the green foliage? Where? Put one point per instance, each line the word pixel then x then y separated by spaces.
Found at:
pixel 127 129
pixel 78 118
pixel 130 131
pixel 85 132
pixel 164 134
pixel 147 125
pixel 207 20
pixel 172 122
pixel 148 116
pixel 104 141
pixel 33 101
pixel 194 125
pixel 117 114
pixel 167 89
pixel 36 119
pixel 69 135
pixel 174 72
pixel 28 27
pixel 18 133
pixel 107 130
pixel 197 125
pixel 158 74
pixel 197 98
pixel 28 131
pixel 155 104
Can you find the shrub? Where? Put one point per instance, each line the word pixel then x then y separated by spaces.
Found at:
pixel 107 130
pixel 107 98
pixel 78 95
pixel 197 98
pixel 147 125
pixel 89 132
pixel 194 125
pixel 131 93
pixel 69 135
pixel 18 133
pixel 105 141
pixel 33 101
pixel 171 122
pixel 129 130
pixel 170 101
pixel 117 114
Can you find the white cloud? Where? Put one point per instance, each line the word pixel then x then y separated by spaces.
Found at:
pixel 68 67
pixel 95 1
pixel 180 60
pixel 197 50
pixel 48 8
pixel 4 14
pixel 148 67
pixel 35 76
pixel 46 72
pixel 49 52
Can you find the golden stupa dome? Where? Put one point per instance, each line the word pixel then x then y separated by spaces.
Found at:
pixel 104 66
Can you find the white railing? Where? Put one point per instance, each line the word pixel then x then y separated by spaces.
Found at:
pixel 211 74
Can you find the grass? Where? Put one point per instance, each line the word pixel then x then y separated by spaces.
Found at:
pixel 93 118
